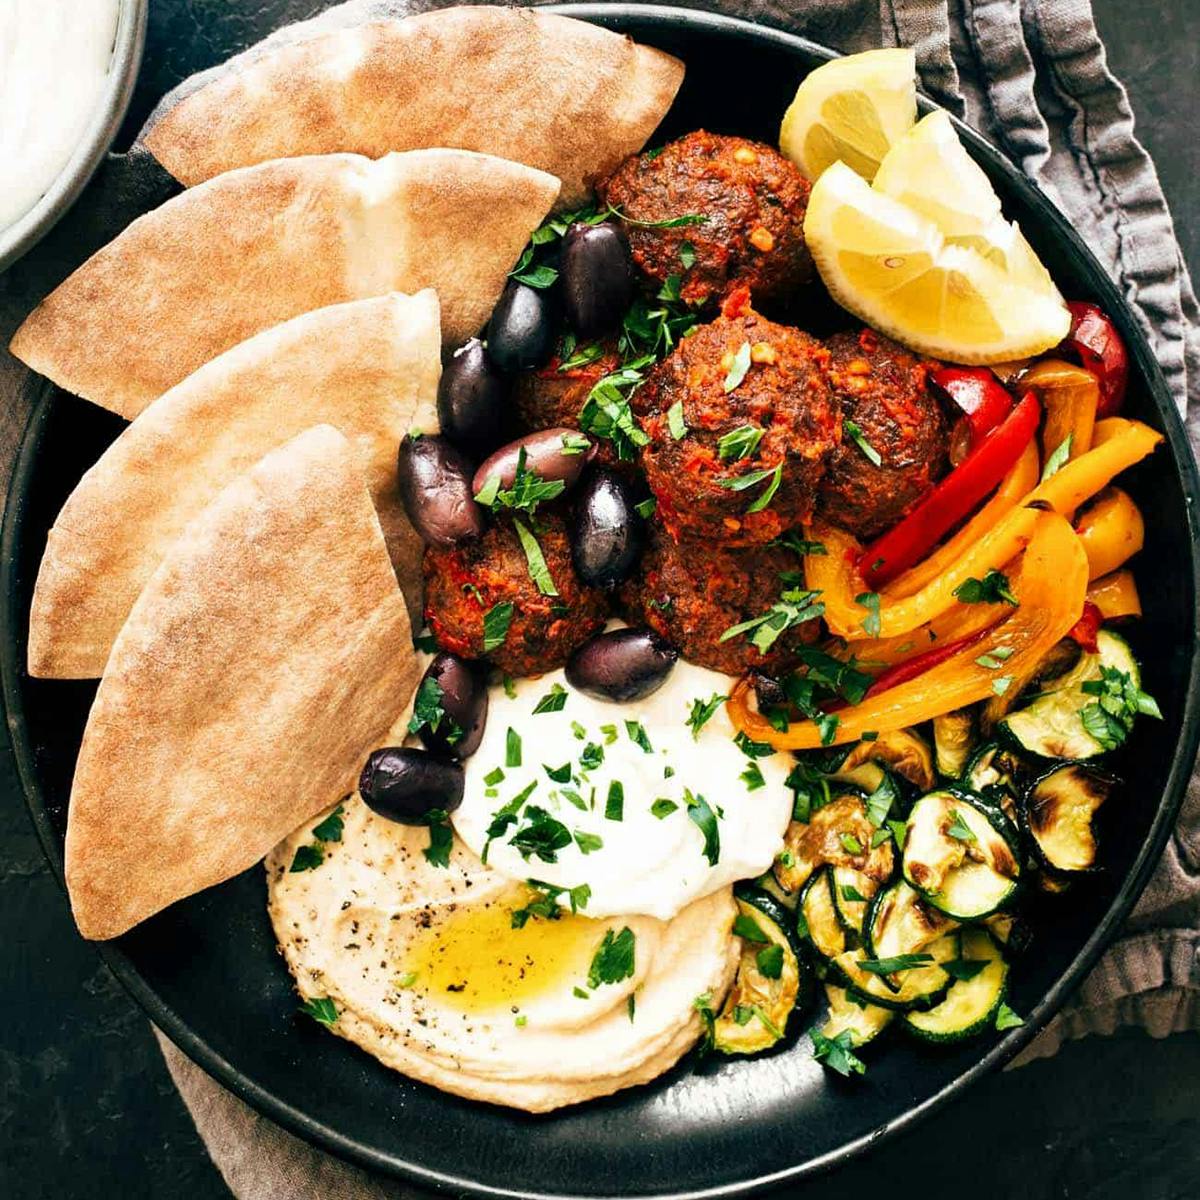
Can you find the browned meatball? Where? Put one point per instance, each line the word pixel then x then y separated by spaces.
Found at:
pixel 464 583
pixel 882 390
pixel 763 437
pixel 753 202
pixel 551 396
pixel 691 595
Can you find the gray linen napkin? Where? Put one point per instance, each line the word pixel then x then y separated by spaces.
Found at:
pixel 1032 76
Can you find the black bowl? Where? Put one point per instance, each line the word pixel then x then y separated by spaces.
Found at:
pixel 207 972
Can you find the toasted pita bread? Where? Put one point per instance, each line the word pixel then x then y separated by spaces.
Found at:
pixel 561 95
pixel 247 250
pixel 369 367
pixel 267 656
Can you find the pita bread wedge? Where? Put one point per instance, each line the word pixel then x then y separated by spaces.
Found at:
pixel 247 250
pixel 368 367
pixel 558 94
pixel 267 656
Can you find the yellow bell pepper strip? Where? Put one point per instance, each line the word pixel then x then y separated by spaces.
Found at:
pixel 1016 485
pixel 837 579
pixel 1069 397
pixel 1050 588
pixel 1112 531
pixel 1116 595
pixel 957 622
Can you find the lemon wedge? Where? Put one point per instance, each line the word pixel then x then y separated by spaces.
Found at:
pixel 892 266
pixel 851 110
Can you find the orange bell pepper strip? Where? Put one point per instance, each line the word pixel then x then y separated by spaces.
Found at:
pixel 1015 486
pixel 836 577
pixel 1050 587
pixel 1112 531
pixel 1116 596
pixel 957 622
pixel 1069 396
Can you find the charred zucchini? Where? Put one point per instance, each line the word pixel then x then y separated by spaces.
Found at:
pixel 954 738
pixel 1058 815
pixel 847 1011
pixel 772 980
pixel 961 854
pixel 995 772
pixel 852 892
pixel 901 751
pixel 821 925
pixel 839 834
pixel 970 1006
pixel 1065 719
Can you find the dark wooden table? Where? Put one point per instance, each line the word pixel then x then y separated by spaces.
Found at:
pixel 87 1109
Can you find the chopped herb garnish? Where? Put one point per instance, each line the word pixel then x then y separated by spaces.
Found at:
pixel 893 966
pixel 494 776
pixel 575 798
pixel 871 622
pixel 663 808
pixel 545 902
pixel 572 358
pixel 752 777
pixel 703 817
pixel 631 1005
pixel 510 686
pixel 610 734
pixel 520 1020
pixel 638 736
pixel 670 289
pixel 794 607
pixel 580 994
pixel 703 1004
pixel 837 1053
pixel 592 757
pixel 852 430
pixel 1001 684
pixel 668 223
pixel 559 774
pixel 496 621
pixel 527 490
pixel 578 731
pixel 614 805
pixel 428 712
pixel 1058 459
pixel 512 748
pixel 738 368
pixel 534 275
pixel 748 928
pixel 1007 1019
pixel 406 979
pixel 535 559
pixel 675 420
pixel 543 835
pixel 851 894
pixel 959 829
pixel 426 643
pixel 1119 701
pixel 739 443
pixel 753 749
pixel 321 1009
pixel 306 858
pixel 800 545
pixel 555 700
pixel 614 959
pixel 880 801
pixel 899 832
pixel 741 482
pixel 964 968
pixel 703 711
pixel 587 842
pixel 441 839
pixel 330 829
pixel 993 588
pixel 769 961
pixel 687 255
pixel 645 508
pixel 850 843
pixel 994 659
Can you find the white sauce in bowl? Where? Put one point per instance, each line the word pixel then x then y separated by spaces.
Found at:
pixel 55 58
pixel 652 860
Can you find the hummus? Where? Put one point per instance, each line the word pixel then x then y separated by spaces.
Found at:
pixel 426 971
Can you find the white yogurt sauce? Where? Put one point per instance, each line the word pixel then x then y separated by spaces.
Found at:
pixel 55 56
pixel 643 862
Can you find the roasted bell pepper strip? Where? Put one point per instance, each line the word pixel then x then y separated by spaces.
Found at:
pixel 979 394
pixel 1116 596
pixel 910 668
pixel 1094 338
pixel 953 498
pixel 1120 444
pixel 1111 530
pixel 1085 629
pixel 959 621
pixel 1050 587
pixel 1017 484
pixel 1070 395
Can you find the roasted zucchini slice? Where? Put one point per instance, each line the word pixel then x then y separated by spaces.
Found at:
pixel 900 751
pixel 954 737
pixel 772 980
pixel 865 1021
pixel 900 921
pixel 852 892
pixel 918 986
pixel 1058 815
pixel 1010 931
pixel 822 926
pixel 839 834
pixel 970 1006
pixel 961 854
pixel 995 772
pixel 1052 725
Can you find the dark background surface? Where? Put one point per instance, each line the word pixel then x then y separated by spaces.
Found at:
pixel 87 1108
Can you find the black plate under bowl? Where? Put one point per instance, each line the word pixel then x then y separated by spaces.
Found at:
pixel 207 971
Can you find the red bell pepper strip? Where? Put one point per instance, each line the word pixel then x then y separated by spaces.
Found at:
pixel 979 394
pixel 1094 340
pixel 1085 629
pixel 953 498
pixel 909 669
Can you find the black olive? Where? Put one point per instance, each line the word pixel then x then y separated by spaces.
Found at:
pixel 472 400
pixel 621 665
pixel 768 690
pixel 558 453
pixel 407 785
pixel 597 277
pixel 464 701
pixel 520 335
pixel 435 489
pixel 606 532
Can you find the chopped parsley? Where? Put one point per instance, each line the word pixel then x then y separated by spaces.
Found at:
pixel 527 490
pixel 505 817
pixel 1059 458
pixel 703 817
pixel 751 748
pixel 428 712
pixel 663 807
pixel 687 255
pixel 535 559
pixel 852 430
pixel 794 607
pixel 306 858
pixel 703 711
pixel 703 1005
pixel 740 483
pixel 441 838
pixel 543 836
pixel 592 756
pixel 739 443
pixel 545 902
pixel 512 748
pixel 614 806
pixel 1001 684
pixel 575 443
pixel 496 621
pixel 959 829
pixel 1119 700
pixel 675 421
pixel 850 843
pixel 668 223
pixel 614 959
pixel 330 829
pixel 993 588
pixel 738 368
pixel 893 966
pixel 638 736
pixel 1007 1019
pixel 645 508
pixel 578 731
pixel 555 700
pixel 769 961
pixel 837 1053
pixel 964 968
pixel 995 658
pixel 494 776
pixel 800 545
pixel 752 777
pixel 559 774
pixel 606 412
pixel 587 842
pixel 871 622
pixel 880 801
pixel 747 928
pixel 610 734
pixel 533 274
pixel 321 1009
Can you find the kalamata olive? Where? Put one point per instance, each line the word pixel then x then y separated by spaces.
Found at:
pixel 435 489
pixel 472 399
pixel 406 785
pixel 621 665
pixel 768 690
pixel 597 277
pixel 606 532
pixel 463 702
pixel 557 453
pixel 520 335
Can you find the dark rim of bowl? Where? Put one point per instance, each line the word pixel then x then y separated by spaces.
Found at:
pixel 351 1150
pixel 128 43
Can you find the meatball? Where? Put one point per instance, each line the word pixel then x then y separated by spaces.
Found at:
pixel 753 201
pixel 552 396
pixel 753 446
pixel 463 583
pixel 692 595
pixel 881 388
